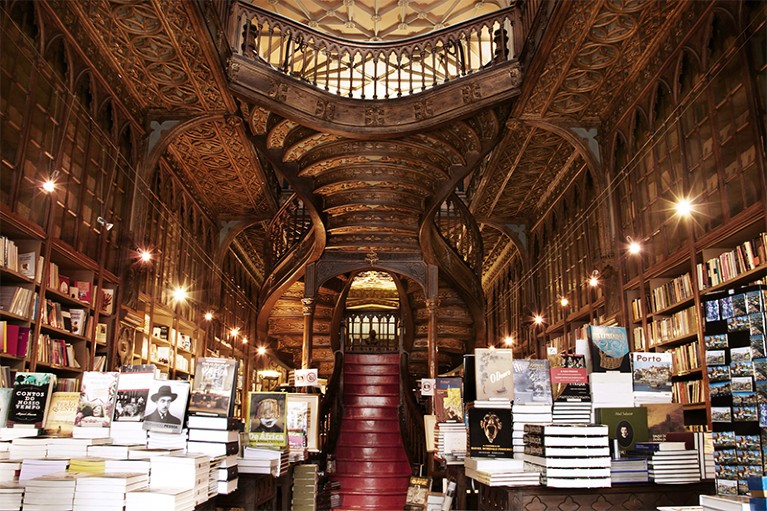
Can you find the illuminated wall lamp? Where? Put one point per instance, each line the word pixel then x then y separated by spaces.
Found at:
pixel 107 225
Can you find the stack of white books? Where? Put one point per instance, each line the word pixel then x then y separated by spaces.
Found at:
pixel 54 491
pixel 569 455
pixel 29 448
pixel 451 442
pixel 305 479
pixel 262 460
pixel 128 433
pixel 161 440
pixel 530 413
pixel 11 495
pixel 673 464
pixel 4 450
pixel 629 470
pixel 167 499
pixel 35 468
pixel 113 452
pixel 19 431
pixel 500 472
pixel 72 447
pixel 611 390
pixel 224 475
pixel 215 464
pixel 106 492
pixel 145 453
pixel 131 466
pixel 9 469
pixel 190 471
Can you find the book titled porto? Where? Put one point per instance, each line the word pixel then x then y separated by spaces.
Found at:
pixel 213 387
pixel 609 347
pixel 493 371
pixel 490 432
pixel 30 399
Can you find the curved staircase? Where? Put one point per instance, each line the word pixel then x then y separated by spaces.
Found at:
pixel 371 464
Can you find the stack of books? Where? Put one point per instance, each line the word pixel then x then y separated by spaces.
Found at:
pixel 671 462
pixel 87 465
pixel 168 499
pixel 162 440
pixel 11 495
pixel 112 452
pixel 725 503
pixel 450 442
pixel 629 470
pixel 569 456
pixel 106 492
pixel 263 460
pixel 532 397
pixel 31 469
pixel 8 470
pixel 524 414
pixel 305 479
pixel 128 433
pixel 52 491
pixel 145 453
pixel 129 466
pixel 611 390
pixel 214 436
pixel 224 474
pixel 191 471
pixel 29 448
pixel 500 472
pixel 72 447
pixel 570 390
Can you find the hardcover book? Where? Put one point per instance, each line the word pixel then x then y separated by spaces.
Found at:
pixel 5 404
pixel 417 493
pixel 490 432
pixel 448 404
pixel 62 414
pixel 30 399
pixel 652 372
pixel 626 425
pixel 133 393
pixel 664 418
pixel 213 388
pixel 570 384
pixel 267 418
pixel 312 416
pixel 532 382
pixel 97 399
pixel 609 349
pixel 166 407
pixel 494 373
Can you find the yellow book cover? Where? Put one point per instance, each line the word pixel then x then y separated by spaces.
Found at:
pixel 62 413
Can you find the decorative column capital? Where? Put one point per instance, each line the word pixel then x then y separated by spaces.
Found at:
pixel 308 305
pixel 432 304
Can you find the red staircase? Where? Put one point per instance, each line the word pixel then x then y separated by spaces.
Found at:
pixel 371 463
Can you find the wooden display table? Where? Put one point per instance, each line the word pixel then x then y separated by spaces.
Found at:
pixel 624 496
pixel 254 492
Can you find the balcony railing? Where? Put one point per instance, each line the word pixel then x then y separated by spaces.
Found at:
pixel 374 70
pixel 288 228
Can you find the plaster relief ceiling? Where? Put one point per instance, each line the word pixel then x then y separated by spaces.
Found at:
pixel 379 20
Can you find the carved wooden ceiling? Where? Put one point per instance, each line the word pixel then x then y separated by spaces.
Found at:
pixel 159 56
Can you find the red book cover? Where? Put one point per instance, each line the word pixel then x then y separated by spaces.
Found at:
pixel 11 339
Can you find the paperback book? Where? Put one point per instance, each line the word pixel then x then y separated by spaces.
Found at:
pixel 267 418
pixel 490 432
pixel 626 426
pixel 609 349
pixel 97 399
pixel 494 373
pixel 532 382
pixel 62 414
pixel 213 388
pixel 133 392
pixel 166 407
pixel 30 399
pixel 448 404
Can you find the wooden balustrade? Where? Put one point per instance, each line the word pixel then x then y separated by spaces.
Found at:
pixel 332 407
pixel 374 70
pixel 289 226
pixel 457 227
pixel 411 417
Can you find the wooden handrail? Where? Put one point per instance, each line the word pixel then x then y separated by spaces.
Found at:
pixel 332 407
pixel 410 417
pixel 374 70
pixel 288 227
pixel 457 227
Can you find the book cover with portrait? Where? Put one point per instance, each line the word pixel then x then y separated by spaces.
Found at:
pixel 98 393
pixel 166 407
pixel 267 419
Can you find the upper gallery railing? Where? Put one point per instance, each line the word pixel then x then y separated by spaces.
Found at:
pixel 288 227
pixel 375 70
pixel 458 228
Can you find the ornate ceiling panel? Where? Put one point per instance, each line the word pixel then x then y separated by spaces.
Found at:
pixel 382 20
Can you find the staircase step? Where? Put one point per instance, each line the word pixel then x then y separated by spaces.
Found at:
pixel 370 401
pixel 366 413
pixel 372 467
pixel 381 440
pixel 369 379
pixel 370 389
pixel 372 426
pixel 363 358
pixel 380 483
pixel 369 454
pixel 371 369
pixel 372 502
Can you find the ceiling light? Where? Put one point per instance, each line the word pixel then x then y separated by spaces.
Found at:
pixel 48 186
pixel 594 279
pixel 234 332
pixel 179 294
pixel 208 316
pixel 261 350
pixel 508 341
pixel 538 319
pixel 144 255
pixel 107 225
pixel 564 302
pixel 634 247
pixel 683 207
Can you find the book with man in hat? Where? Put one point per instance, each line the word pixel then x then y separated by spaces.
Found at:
pixel 166 407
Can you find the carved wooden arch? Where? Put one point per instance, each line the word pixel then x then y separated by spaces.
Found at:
pixel 58 38
pixel 732 26
pixel 592 160
pixel 326 270
pixel 513 237
pixel 688 54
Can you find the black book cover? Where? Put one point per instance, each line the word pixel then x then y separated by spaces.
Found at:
pixel 490 432
pixel 30 398
pixel 469 379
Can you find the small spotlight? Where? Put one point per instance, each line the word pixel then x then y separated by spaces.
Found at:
pixel 144 255
pixel 208 316
pixel 261 350
pixel 564 302
pixel 594 279
pixel 508 341
pixel 179 294
pixel 683 207
pixel 234 332
pixel 48 186
pixel 634 247
pixel 538 319
pixel 244 340
pixel 108 226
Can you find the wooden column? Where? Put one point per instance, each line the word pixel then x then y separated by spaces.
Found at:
pixel 306 353
pixel 431 305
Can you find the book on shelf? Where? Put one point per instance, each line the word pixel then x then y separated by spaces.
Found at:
pixel 448 402
pixel 106 305
pixel 493 373
pixel 101 333
pixel 213 388
pixel 78 321
pixel 166 406
pixel 63 411
pixel 30 399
